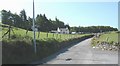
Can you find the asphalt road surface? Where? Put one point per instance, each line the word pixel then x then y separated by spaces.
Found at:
pixel 83 53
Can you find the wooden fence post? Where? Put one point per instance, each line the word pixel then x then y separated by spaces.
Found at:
pixel 13 31
pixel 60 35
pixel 47 34
pixel 53 35
pixel 56 35
pixel 38 34
pixel 9 31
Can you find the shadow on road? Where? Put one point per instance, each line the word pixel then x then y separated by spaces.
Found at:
pixel 43 61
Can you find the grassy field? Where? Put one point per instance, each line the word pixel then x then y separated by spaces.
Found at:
pixel 113 36
pixel 43 35
pixel 107 37
pixel 19 49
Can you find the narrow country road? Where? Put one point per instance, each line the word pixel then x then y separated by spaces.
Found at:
pixel 83 53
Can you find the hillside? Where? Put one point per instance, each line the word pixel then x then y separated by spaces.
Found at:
pixel 42 35
pixel 19 47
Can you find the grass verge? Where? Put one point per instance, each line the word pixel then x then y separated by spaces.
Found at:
pixel 20 50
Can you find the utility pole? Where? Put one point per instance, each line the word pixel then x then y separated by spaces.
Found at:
pixel 34 29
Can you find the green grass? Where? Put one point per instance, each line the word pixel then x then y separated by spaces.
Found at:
pixel 108 37
pixel 19 49
pixel 43 35
pixel 113 36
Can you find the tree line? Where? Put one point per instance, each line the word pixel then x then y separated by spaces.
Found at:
pixel 44 24
pixel 23 21
pixel 93 29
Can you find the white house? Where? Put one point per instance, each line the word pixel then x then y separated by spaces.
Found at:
pixel 63 30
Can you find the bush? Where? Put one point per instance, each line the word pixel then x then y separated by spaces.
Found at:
pixel 111 42
pixel 98 42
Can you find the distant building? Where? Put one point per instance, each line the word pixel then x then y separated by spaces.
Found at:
pixel 73 32
pixel 63 30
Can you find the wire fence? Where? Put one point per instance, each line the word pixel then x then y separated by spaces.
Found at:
pixel 39 35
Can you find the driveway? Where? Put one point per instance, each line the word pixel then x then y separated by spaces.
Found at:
pixel 83 53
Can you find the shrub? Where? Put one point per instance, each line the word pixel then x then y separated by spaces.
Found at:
pixel 98 42
pixel 111 42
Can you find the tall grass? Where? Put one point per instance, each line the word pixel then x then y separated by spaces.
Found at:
pixel 113 36
pixel 109 37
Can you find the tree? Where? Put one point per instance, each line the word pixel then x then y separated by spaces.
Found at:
pixel 43 23
pixel 24 19
pixel 59 23
pixel 30 21
pixel 6 17
pixel 17 20
pixel 23 15
pixel 93 29
pixel 67 26
pixel 47 23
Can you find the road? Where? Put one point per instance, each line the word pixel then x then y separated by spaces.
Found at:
pixel 83 53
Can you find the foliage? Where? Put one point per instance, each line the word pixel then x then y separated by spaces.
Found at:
pixel 41 21
pixel 45 25
pixel 93 29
